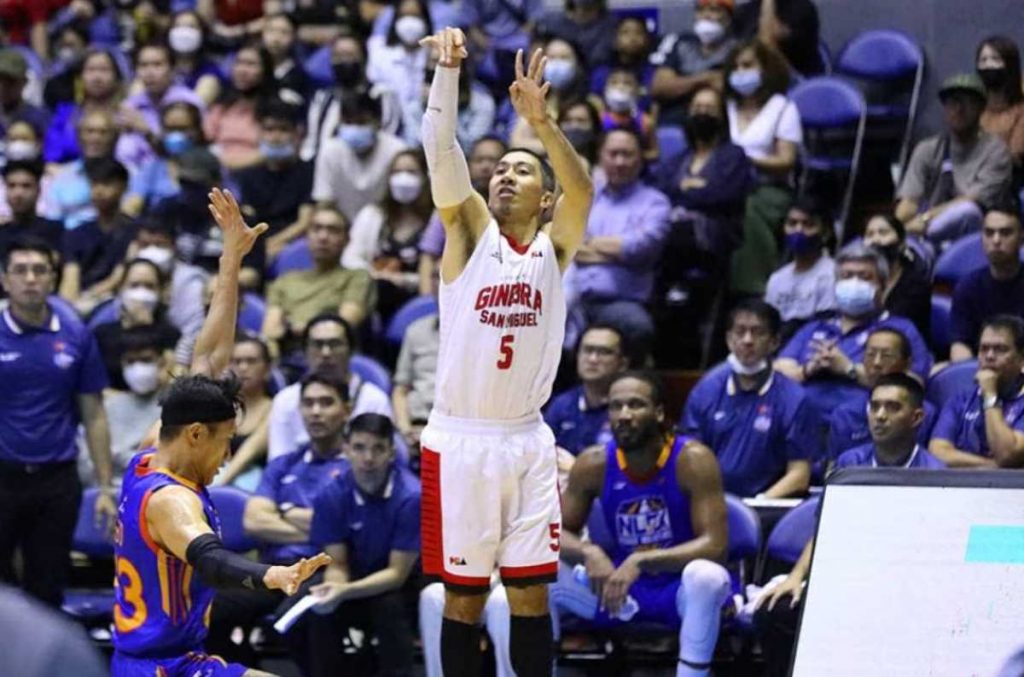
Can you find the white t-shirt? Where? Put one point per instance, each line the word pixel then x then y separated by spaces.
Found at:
pixel 349 181
pixel 777 119
pixel 364 239
pixel 800 296
pixel 286 431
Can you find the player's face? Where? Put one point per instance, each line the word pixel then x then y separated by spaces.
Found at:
pixel 891 415
pixel 634 416
pixel 371 457
pixel 750 339
pixel 213 444
pixel 28 279
pixel 517 186
pixel 600 355
pixel 883 355
pixel 327 347
pixel 997 352
pixel 323 412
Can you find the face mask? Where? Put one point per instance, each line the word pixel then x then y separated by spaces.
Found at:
pixel 176 143
pixel 185 39
pixel 161 257
pixel 146 298
pixel 67 54
pixel 142 377
pixel 801 243
pixel 703 127
pixel 993 78
pixel 22 150
pixel 410 29
pixel 358 137
pixel 745 82
pixel 743 370
pixel 273 151
pixel 890 251
pixel 855 297
pixel 405 187
pixel 578 137
pixel 348 73
pixel 559 72
pixel 619 100
pixel 708 32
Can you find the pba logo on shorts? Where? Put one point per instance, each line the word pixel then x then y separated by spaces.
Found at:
pixel 643 520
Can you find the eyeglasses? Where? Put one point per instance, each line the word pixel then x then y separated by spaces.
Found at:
pixel 331 344
pixel 23 269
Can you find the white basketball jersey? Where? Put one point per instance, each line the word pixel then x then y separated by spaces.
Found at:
pixel 502 326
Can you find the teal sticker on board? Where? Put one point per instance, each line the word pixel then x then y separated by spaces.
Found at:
pixel 995 545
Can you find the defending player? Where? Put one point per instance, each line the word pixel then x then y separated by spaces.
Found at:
pixel 168 553
pixel 489 469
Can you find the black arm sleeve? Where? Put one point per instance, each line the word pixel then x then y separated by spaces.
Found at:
pixel 218 567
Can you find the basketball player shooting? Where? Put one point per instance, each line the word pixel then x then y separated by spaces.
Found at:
pixel 488 465
pixel 168 555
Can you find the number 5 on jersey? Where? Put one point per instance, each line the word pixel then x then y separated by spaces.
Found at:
pixel 505 361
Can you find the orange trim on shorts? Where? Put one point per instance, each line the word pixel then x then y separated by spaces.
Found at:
pixel 431 540
pixel 529 571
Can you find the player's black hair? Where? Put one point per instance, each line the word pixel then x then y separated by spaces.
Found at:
pixel 198 399
pixel 27 243
pixel 329 379
pixel 650 378
pixel 1009 323
pixel 374 424
pixel 906 350
pixel 350 334
pixel 762 310
pixel 915 391
pixel 33 167
pixel 547 175
pixel 139 338
pixel 105 170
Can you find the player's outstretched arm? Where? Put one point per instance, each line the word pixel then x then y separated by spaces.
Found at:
pixel 175 520
pixel 569 222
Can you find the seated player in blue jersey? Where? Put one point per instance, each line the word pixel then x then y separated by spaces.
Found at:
pixel 757 421
pixel 168 555
pixel 664 507
pixel 367 519
pixel 887 352
pixel 826 355
pixel 280 512
pixel 895 413
pixel 983 427
pixel 579 416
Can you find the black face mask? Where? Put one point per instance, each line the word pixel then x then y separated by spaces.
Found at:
pixel 581 139
pixel 993 78
pixel 348 73
pixel 891 252
pixel 703 127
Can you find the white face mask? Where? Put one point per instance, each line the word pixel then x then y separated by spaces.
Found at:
pixel 140 296
pixel 22 150
pixel 163 258
pixel 405 187
pixel 619 99
pixel 142 377
pixel 410 29
pixel 745 370
pixel 185 39
pixel 708 32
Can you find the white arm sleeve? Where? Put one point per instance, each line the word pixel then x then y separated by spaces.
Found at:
pixel 449 173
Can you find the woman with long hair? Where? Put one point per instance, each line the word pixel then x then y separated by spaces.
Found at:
pixel 231 122
pixel 998 64
pixel 188 38
pixel 251 363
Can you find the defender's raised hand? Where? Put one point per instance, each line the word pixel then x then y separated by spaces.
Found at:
pixel 529 89
pixel 238 237
pixel 450 44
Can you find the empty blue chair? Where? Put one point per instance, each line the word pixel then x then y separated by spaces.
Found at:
pixel 250 317
pixel 371 371
pixel 941 308
pixel 829 105
pixel 789 537
pixel 960 258
pixel 230 504
pixel 887 59
pixel 955 378
pixel 90 606
pixel 414 309
pixel 744 529
pixel 295 256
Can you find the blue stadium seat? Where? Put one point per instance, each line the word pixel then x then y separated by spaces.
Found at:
pixel 791 533
pixel 960 258
pixel 371 371
pixel 672 144
pixel 954 379
pixel 295 256
pixel 87 605
pixel 414 309
pixel 318 67
pixel 250 317
pixel 744 534
pixel 230 504
pixel 826 56
pixel 107 311
pixel 940 340
pixel 832 112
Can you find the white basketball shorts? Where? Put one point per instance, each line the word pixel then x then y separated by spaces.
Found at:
pixel 490 498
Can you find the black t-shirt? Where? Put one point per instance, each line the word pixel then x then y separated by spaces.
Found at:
pixel 979 296
pixel 49 231
pixel 801 17
pixel 108 337
pixel 275 196
pixel 912 297
pixel 97 253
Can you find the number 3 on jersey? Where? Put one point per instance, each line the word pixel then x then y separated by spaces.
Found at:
pixel 505 361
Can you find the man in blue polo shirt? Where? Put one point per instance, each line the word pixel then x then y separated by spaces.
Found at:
pixel 826 355
pixel 368 520
pixel 579 416
pixel 280 512
pixel 887 352
pixel 53 377
pixel 984 426
pixel 758 422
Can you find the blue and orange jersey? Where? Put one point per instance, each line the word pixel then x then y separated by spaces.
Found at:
pixel 161 608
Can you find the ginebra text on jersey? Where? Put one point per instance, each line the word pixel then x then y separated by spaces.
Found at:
pixel 506 295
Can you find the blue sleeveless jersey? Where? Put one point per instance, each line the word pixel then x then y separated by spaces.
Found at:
pixel 161 608
pixel 645 513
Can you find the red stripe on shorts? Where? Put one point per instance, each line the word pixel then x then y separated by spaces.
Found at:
pixel 530 571
pixel 432 545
